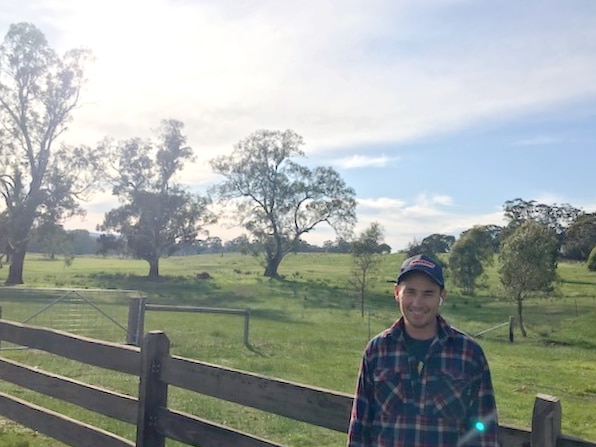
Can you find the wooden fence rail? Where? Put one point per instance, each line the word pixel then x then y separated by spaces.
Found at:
pixel 157 369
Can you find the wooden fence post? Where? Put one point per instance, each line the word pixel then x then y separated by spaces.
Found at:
pixel 511 322
pixel 246 325
pixel 136 320
pixel 153 392
pixel 546 421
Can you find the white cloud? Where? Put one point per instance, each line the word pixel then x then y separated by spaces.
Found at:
pixel 339 73
pixel 362 161
pixel 541 140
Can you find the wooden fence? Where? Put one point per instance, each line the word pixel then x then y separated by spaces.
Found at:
pixel 137 306
pixel 155 421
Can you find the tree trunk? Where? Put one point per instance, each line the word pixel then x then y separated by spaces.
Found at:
pixel 15 271
pixel 362 298
pixel 154 268
pixel 519 315
pixel 272 265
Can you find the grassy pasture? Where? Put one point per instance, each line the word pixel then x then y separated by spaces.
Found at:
pixel 307 328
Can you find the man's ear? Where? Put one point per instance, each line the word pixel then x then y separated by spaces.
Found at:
pixel 442 297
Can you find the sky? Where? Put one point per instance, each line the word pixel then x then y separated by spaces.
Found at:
pixel 436 112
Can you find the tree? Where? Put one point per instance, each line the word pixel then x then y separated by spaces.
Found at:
pixel 416 248
pixel 438 243
pixel 110 244
pixel 38 183
pixel 157 216
pixel 240 244
pixel 555 217
pixel 51 239
pixel 495 232
pixel 278 200
pixel 83 242
pixel 469 256
pixel 592 260
pixel 528 264
pixel 430 245
pixel 340 245
pixel 366 257
pixel 580 237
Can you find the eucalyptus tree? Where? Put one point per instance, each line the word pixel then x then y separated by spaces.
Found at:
pixel 40 183
pixel 555 217
pixel 580 237
pixel 528 264
pixel 278 200
pixel 469 256
pixel 158 216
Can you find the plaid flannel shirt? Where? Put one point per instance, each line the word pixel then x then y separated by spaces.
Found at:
pixel 439 406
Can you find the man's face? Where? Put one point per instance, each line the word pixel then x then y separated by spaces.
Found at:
pixel 419 298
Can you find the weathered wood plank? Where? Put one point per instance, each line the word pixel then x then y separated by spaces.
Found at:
pixel 510 436
pixel 313 405
pixel 126 359
pixel 57 426
pixel 196 309
pixel 195 431
pixel 111 404
pixel 546 421
pixel 571 441
pixel 153 392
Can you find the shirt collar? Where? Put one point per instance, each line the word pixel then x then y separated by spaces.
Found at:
pixel 397 329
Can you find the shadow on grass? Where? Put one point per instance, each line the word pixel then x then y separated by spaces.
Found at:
pixel 186 290
pixel 574 281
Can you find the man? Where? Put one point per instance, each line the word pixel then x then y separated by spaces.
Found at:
pixel 423 383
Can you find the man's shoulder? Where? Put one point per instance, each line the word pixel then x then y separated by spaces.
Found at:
pixel 388 336
pixel 454 334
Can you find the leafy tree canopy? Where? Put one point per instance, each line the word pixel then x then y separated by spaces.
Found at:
pixel 528 263
pixel 158 216
pixel 278 200
pixel 431 245
pixel 469 256
pixel 555 217
pixel 39 183
pixel 580 237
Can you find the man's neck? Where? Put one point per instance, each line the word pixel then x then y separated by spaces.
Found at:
pixel 422 334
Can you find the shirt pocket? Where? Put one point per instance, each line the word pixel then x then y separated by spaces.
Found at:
pixel 389 392
pixel 450 391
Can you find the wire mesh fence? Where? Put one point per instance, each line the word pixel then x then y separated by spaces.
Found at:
pixel 95 313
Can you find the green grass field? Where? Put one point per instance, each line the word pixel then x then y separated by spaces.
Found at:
pixel 307 328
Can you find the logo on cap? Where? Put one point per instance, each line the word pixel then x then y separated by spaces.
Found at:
pixel 423 262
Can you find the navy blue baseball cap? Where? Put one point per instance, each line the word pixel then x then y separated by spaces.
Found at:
pixel 424 264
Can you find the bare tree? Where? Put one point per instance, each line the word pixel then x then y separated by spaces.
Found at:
pixel 366 250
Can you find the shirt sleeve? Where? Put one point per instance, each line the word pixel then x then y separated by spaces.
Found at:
pixel 483 430
pixel 359 431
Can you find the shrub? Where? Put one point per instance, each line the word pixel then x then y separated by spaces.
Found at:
pixel 592 260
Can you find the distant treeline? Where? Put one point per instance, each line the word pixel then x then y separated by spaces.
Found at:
pixel 83 242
